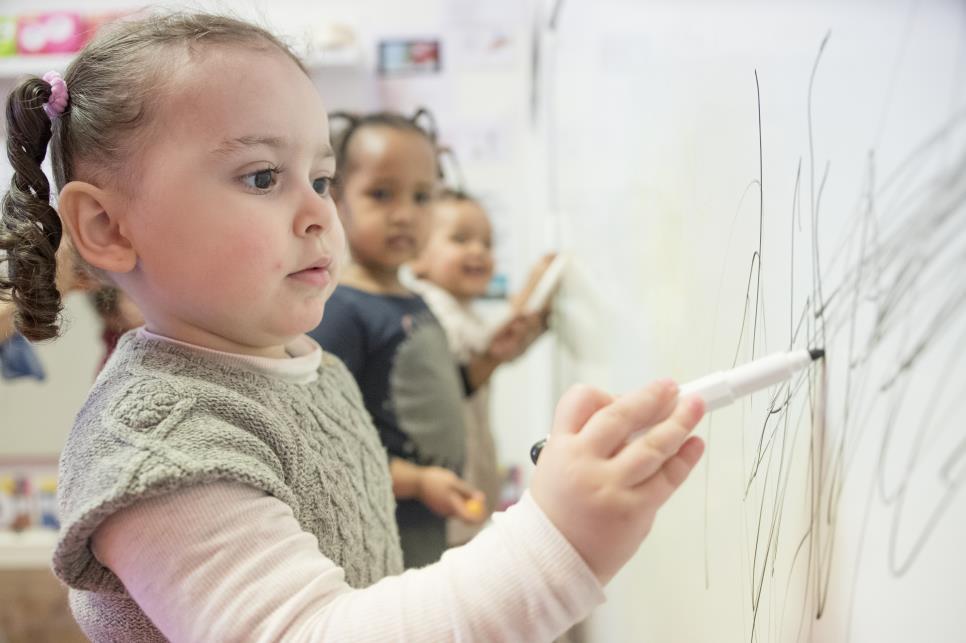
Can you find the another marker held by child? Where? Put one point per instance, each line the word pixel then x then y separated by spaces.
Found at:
pixel 547 285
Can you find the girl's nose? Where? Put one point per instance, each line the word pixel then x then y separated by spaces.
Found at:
pixel 403 214
pixel 314 215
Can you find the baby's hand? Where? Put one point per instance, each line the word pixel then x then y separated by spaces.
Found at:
pixel 446 494
pixel 514 337
pixel 601 493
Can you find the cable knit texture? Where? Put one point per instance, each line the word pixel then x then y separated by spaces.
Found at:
pixel 162 417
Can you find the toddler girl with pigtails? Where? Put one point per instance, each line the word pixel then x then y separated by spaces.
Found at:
pixel 223 480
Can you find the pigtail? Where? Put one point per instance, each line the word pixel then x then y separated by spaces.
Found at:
pixel 423 120
pixel 340 134
pixel 30 229
pixel 450 173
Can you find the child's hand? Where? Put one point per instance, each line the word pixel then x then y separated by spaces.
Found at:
pixel 514 337
pixel 601 493
pixel 447 495
pixel 508 342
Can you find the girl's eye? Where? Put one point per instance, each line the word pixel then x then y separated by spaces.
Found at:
pixel 459 238
pixel 262 179
pixel 423 198
pixel 322 185
pixel 380 194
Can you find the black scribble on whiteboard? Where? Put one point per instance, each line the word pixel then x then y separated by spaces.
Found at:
pixel 893 318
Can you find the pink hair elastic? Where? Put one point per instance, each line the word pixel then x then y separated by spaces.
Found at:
pixel 57 102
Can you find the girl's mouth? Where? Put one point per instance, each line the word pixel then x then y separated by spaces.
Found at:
pixel 318 277
pixel 317 274
pixel 401 242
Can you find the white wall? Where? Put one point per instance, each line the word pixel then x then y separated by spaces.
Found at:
pixel 35 416
pixel 657 127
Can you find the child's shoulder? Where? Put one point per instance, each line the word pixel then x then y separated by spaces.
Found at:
pixel 156 421
pixel 372 309
pixel 156 398
pixel 349 292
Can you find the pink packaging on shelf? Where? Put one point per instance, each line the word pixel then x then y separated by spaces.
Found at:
pixel 56 32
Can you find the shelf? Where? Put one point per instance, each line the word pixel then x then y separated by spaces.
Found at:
pixel 329 58
pixel 13 67
pixel 31 549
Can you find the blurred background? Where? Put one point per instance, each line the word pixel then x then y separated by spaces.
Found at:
pixel 727 179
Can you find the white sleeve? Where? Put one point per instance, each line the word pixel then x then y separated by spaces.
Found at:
pixel 227 562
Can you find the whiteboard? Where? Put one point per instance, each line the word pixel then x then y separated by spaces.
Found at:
pixel 735 179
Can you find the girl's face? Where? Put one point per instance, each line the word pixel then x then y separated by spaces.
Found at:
pixel 385 201
pixel 237 239
pixel 458 256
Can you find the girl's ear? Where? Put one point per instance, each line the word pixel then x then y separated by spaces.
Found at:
pixel 97 229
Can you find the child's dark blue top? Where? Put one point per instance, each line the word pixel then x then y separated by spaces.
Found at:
pixel 412 386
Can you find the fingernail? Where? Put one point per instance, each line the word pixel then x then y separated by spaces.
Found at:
pixel 669 386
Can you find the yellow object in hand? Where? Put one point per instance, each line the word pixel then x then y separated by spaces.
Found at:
pixel 474 507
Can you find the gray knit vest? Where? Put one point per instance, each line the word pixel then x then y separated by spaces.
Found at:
pixel 161 417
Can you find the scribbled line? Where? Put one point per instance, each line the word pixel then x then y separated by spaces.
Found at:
pixel 900 294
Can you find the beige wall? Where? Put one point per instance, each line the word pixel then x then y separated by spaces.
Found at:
pixel 35 416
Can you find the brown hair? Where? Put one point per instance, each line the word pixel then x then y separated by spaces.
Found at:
pixel 109 83
pixel 421 122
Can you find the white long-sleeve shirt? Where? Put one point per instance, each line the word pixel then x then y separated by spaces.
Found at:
pixel 227 562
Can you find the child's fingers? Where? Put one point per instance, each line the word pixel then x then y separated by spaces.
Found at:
pixel 461 490
pixel 463 499
pixel 645 455
pixel 678 468
pixel 545 317
pixel 468 507
pixel 509 334
pixel 535 324
pixel 473 509
pixel 577 406
pixel 506 327
pixel 659 487
pixel 610 427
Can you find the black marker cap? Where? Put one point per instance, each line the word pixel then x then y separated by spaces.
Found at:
pixel 536 449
